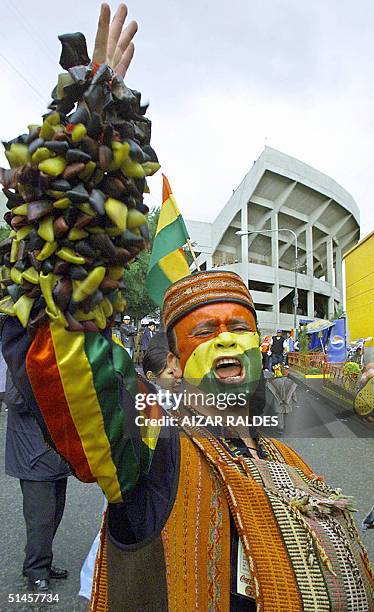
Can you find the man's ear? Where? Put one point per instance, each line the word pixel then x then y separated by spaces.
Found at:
pixel 174 364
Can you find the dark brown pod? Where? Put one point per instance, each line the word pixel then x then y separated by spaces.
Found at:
pixel 78 272
pixel 61 267
pixel 13 196
pixel 82 221
pixel 39 142
pixel 34 241
pixel 105 157
pixel 60 227
pixel 108 285
pixel 128 239
pixel 60 185
pixel 76 155
pixel 20 265
pixel 38 209
pixel 17 221
pixel 81 115
pixel 121 255
pixel 83 248
pixel 97 200
pixel 74 325
pixel 62 292
pixel 34 262
pixel 34 292
pixel 90 146
pixel 59 147
pixel 73 169
pixel 89 326
pixel 104 244
pixel 78 194
pixel 8 217
pixel 39 319
pixel 21 249
pixel 60 136
pixel 113 186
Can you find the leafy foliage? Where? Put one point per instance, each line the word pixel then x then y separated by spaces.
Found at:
pixel 4 232
pixel 139 304
pixel 303 340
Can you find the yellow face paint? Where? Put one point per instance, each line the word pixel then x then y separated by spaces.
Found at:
pixel 227 344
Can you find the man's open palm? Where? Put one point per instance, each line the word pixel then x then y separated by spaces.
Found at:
pixel 113 43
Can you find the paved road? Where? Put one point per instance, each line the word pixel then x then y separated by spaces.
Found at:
pixel 346 461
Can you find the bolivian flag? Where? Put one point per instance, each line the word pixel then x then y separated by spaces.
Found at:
pixel 168 262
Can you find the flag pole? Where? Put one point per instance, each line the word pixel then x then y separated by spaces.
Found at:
pixel 193 255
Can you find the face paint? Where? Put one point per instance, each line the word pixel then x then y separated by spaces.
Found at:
pixel 219 348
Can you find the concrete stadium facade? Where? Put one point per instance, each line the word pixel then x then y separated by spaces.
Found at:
pixel 281 192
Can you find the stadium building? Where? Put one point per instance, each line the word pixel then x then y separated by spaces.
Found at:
pixel 278 194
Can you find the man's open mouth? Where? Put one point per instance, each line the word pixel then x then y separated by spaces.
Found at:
pixel 229 370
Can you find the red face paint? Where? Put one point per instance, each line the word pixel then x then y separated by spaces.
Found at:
pixel 209 321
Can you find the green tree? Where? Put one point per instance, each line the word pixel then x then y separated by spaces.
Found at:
pixel 303 340
pixel 139 304
pixel 4 232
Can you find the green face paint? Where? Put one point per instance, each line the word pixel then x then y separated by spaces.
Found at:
pixel 228 363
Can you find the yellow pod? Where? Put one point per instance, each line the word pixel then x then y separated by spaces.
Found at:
pixel 16 276
pixel 18 154
pixel 62 203
pixel 87 209
pixel 33 126
pixel 88 171
pixel 119 303
pixel 115 272
pixel 20 210
pixel 146 188
pixel 31 275
pixel 150 168
pixel 57 316
pixel 113 231
pixel 45 229
pixel 86 287
pixel 107 307
pixel 63 80
pixel 12 234
pixel 54 118
pixel 96 230
pixel 79 132
pixel 47 284
pixel 120 153
pixel 76 234
pixel 41 154
pixel 14 251
pixel 53 166
pixel 55 194
pixel 7 306
pixel 22 309
pixel 70 256
pixel 23 232
pixel 132 169
pixel 99 317
pixel 46 131
pixel 117 213
pixel 135 218
pixel 47 250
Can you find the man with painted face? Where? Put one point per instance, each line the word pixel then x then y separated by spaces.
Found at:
pixel 225 520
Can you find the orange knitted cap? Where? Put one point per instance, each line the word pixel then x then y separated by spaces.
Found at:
pixel 204 288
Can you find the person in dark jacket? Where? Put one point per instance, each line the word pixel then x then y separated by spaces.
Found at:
pixel 43 478
pixel 277 349
pixel 147 336
pixel 128 332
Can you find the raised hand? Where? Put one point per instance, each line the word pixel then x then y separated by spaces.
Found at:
pixel 113 43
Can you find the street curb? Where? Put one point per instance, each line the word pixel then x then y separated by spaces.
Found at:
pixel 301 380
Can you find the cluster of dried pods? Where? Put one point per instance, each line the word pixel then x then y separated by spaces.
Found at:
pixel 75 199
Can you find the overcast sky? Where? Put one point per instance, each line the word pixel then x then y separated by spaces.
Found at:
pixel 223 80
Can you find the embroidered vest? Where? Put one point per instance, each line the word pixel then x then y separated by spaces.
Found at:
pixel 300 542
